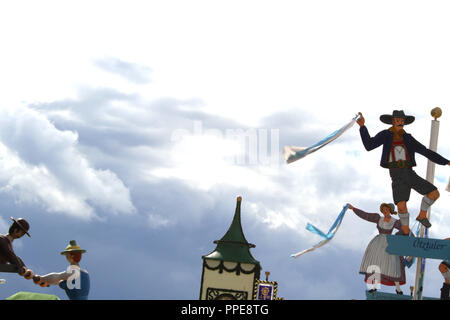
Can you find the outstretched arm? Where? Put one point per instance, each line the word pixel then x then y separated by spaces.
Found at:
pixel 371 217
pixel 55 277
pixel 11 257
pixel 369 142
pixel 430 154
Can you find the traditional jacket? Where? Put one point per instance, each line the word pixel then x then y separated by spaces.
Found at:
pixel 386 138
pixel 7 253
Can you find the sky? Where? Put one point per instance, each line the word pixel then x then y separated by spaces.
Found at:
pixel 133 126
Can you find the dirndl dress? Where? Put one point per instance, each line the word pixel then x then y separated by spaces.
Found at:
pixel 377 263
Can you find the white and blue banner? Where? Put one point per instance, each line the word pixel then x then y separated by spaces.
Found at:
pixel 326 236
pixel 292 153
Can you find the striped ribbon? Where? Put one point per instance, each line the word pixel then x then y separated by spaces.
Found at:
pixel 326 236
pixel 292 153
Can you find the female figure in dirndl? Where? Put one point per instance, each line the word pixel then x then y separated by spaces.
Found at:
pixel 377 264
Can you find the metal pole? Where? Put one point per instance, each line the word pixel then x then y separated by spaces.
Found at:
pixel 420 271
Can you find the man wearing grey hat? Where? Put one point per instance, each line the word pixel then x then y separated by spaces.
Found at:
pixel 398 156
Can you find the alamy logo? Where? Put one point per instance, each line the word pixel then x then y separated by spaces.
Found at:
pixel 374 279
pixel 74 281
pixel 256 146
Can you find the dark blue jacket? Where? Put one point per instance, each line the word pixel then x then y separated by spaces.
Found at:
pixel 386 137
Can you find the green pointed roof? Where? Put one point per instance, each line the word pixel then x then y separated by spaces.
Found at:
pixel 233 246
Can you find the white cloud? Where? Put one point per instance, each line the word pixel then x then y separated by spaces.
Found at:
pixel 130 71
pixel 326 60
pixel 207 160
pixel 42 165
pixel 156 221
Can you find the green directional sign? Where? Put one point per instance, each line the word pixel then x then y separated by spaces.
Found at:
pixel 418 247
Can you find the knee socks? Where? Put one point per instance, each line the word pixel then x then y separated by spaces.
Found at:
pixel 426 203
pixel 404 218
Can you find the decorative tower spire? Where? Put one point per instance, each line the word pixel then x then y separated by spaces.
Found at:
pixel 230 271
pixel 233 246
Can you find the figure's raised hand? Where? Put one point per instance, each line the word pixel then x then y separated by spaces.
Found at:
pixel 38 281
pixel 24 272
pixel 28 274
pixel 360 120
pixel 350 206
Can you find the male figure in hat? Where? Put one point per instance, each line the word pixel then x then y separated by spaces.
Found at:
pixel 74 280
pixel 17 230
pixel 398 156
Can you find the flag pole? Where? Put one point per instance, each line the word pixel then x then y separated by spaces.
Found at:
pixel 420 271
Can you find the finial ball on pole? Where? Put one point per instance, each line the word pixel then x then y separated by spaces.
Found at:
pixel 436 113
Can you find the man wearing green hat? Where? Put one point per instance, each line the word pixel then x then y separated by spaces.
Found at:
pixel 75 281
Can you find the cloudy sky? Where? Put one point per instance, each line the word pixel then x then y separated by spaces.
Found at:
pixel 121 126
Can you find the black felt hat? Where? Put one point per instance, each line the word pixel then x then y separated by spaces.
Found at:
pixel 23 224
pixel 387 118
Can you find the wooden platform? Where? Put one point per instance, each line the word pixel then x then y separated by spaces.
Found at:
pixel 378 295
